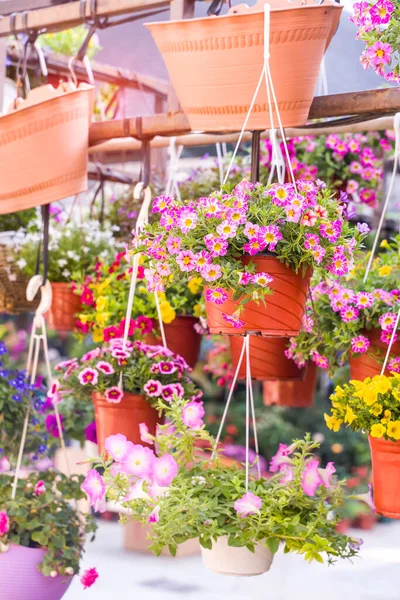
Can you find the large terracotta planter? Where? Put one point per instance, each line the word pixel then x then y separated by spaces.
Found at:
pixel 215 63
pixel 65 305
pixel 282 314
pixel 43 147
pixel 20 578
pixel 296 394
pixel 123 417
pixel 385 456
pixel 241 562
pixel 267 359
pixel 365 365
pixel 181 337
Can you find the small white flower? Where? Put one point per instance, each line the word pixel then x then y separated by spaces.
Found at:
pixel 69 571
pixel 62 262
pixel 70 254
pixel 53 574
pixel 21 263
pixel 12 277
pixel 198 480
pixel 65 273
pixel 331 516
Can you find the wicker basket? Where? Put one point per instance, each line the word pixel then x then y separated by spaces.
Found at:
pixel 13 286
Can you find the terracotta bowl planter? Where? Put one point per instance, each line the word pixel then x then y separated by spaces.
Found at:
pixel 215 63
pixel 385 456
pixel 296 394
pixel 241 562
pixel 64 307
pixel 123 417
pixel 181 337
pixel 365 365
pixel 283 311
pixel 267 359
pixel 21 580
pixel 43 147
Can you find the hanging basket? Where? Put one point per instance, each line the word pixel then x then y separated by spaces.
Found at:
pixel 215 63
pixel 283 312
pixel 267 359
pixel 13 284
pixel 181 338
pixel 241 562
pixel 385 456
pixel 65 305
pixel 123 417
pixel 20 578
pixel 43 147
pixel 365 365
pixel 296 394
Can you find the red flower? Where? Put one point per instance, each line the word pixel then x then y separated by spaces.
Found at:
pixel 140 273
pixel 89 577
pixel 112 332
pixel 144 324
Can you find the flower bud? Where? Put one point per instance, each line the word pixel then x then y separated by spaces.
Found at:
pixel 53 574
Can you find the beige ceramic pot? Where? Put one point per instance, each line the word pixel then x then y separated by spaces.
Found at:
pixel 229 560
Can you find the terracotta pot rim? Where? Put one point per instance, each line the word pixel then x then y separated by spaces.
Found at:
pixel 215 19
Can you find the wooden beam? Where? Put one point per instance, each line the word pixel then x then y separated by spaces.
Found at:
pixel 64 16
pixel 385 101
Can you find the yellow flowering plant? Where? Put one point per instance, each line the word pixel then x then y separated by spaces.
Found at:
pixel 104 295
pixel 372 406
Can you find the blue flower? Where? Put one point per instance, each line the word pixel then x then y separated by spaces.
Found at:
pixel 3 349
pixel 3 373
pixel 16 397
pixel 42 449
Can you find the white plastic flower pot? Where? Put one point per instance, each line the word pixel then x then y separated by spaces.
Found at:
pixel 241 562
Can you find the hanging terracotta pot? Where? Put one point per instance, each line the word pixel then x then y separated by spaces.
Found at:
pixel 181 337
pixel 65 305
pixel 282 314
pixel 241 562
pixel 44 147
pixel 123 417
pixel 365 365
pixel 20 578
pixel 215 62
pixel 296 394
pixel 267 359
pixel 385 456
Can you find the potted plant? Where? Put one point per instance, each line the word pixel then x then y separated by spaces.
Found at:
pixel 42 535
pixel 73 246
pixel 103 308
pixel 125 381
pixel 372 406
pixel 353 321
pixel 297 394
pixel 185 495
pixel 197 51
pixel 254 247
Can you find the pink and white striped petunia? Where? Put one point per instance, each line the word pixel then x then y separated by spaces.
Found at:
pixel 165 470
pixel 114 394
pixel 186 260
pixel 88 376
pixel 105 367
pixel 262 279
pixel 360 344
pixel 116 446
pixel 94 487
pixel 153 388
pixel 248 504
pixel 233 320
pixel 216 295
pixel 211 272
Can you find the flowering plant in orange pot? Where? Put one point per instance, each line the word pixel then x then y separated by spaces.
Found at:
pixel 247 243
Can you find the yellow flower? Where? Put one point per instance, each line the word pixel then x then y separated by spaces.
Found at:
pixel 83 318
pixel 161 296
pixel 384 271
pixel 195 285
pixel 100 287
pixel 339 392
pixel 377 430
pixel 101 303
pixel 396 394
pixel 387 416
pixel 357 385
pixel 102 319
pixel 98 335
pixel 197 310
pixel 369 395
pixel 376 410
pixel 393 429
pixel 350 416
pixel 142 289
pixel 167 312
pixel 384 244
pixel 382 384
pixel 332 422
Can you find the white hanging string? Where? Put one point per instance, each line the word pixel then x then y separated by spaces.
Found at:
pixel 160 321
pixel 175 153
pixel 253 412
pixel 220 162
pixel 322 84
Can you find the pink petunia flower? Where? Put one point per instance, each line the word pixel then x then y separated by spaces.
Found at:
pixel 192 415
pixel 387 321
pixel 262 279
pixel 248 504
pixel 105 367
pixel 211 272
pixel 145 436
pixel 280 458
pixel 216 245
pixel 161 204
pixel 233 320
pixel 144 324
pixel 94 487
pixel 288 474
pixel 293 214
pixel 187 220
pixel 321 361
pixel 364 300
pixel 312 241
pixel 116 446
pixel 217 295
pixel 245 278
pixel 326 474
pixel 309 219
pixel 39 488
pixel 153 388
pixel 251 230
pixel 89 577
pixel 380 53
pixel 88 376
pixel 318 254
pixel 311 479
pixel 270 236
pixel 360 344
pixel 91 355
pixel 111 332
pixel 349 313
pixel 203 259
pixel 52 426
pixel 4 523
pixel 386 337
pixel 394 365
pixel 165 470
pixel 227 229
pixel 173 245
pixel 167 367
pixel 367 498
pixel 254 246
pixel 321 212
pixel 186 260
pixel 138 461
pixel 331 231
pixel 114 394
pixel 154 516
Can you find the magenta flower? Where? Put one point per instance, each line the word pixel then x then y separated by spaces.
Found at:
pixel 145 436
pixel 310 479
pixel 138 461
pixel 89 577
pixel 203 259
pixel 51 425
pixel 318 254
pixel 153 388
pixel 262 279
pixel 114 394
pixel 211 272
pixel 65 364
pixel 88 376
pixel 245 278
pixel 248 504
pixel 165 470
pixel 387 321
pixel 94 487
pixel 349 313
pixel 321 361
pixel 111 332
pixel 144 324
pixel 192 415
pixel 216 245
pixel 331 231
pixel 360 344
pixel 339 264
pixel 227 229
pixel 380 53
pixel 237 215
pixel 154 516
pixel 53 391
pixel 91 355
pixel 386 336
pixel 173 245
pixel 39 488
pixel 91 433
pixel 4 523
pixel 254 246
pixel 167 368
pixel 119 353
pixel 105 367
pixel 312 241
pixel 364 300
pixel 281 194
pixel 309 219
pixel 187 220
pixel 212 207
pixel 161 204
pixel 326 474
pixel 394 365
pixel 233 320
pixel 186 260
pixel 116 446
pixel 280 458
pixel 171 390
pixel 251 230
pixel 217 295
pixel 270 236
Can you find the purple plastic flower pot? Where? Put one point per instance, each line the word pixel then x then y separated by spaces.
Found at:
pixel 20 578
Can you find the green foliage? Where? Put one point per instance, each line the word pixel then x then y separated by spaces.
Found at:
pixel 69 41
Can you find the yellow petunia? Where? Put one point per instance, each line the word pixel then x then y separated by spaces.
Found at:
pixel 357 385
pixel 369 395
pixel 377 430
pixel 396 394
pixel 384 244
pixel 332 423
pixel 382 384
pixel 387 416
pixel 101 287
pixel 161 296
pixel 98 335
pixel 339 392
pixel 101 303
pixel 197 310
pixel 350 416
pixel 167 312
pixel 384 271
pixel 376 410
pixel 102 319
pixel 83 318
pixel 393 430
pixel 195 285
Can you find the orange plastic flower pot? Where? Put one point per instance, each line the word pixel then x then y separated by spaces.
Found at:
pixel 267 359
pixel 215 63
pixel 181 338
pixel 365 365
pixel 64 307
pixel 282 314
pixel 123 417
pixel 296 394
pixel 385 456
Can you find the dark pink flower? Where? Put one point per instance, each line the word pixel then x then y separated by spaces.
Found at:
pixel 4 523
pixel 51 425
pixel 89 577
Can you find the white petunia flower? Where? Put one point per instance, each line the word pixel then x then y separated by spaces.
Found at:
pixel 21 263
